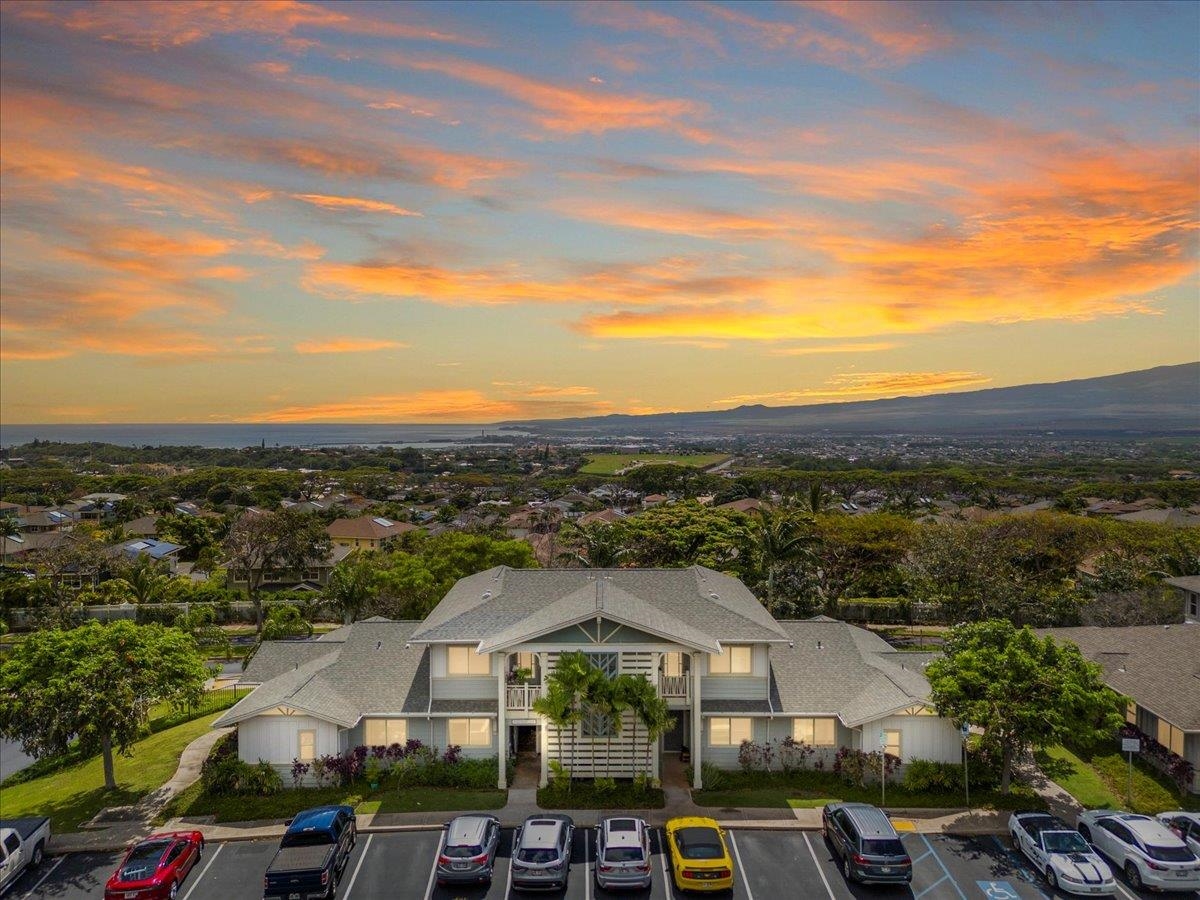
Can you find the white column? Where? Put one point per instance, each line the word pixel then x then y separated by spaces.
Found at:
pixel 656 750
pixel 697 723
pixel 543 738
pixel 501 726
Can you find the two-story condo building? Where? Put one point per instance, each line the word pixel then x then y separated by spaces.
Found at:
pixel 470 673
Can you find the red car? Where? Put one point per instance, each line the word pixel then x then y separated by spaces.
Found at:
pixel 155 867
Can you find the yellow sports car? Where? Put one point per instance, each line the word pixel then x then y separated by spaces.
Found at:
pixel 700 861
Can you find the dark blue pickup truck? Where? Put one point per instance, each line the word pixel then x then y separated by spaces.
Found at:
pixel 312 855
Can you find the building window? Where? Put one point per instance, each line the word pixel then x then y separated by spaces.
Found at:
pixel 1170 737
pixel 470 732
pixel 1131 713
pixel 724 732
pixel 734 661
pixel 891 743
pixel 385 732
pixel 672 665
pixel 307 750
pixel 815 732
pixel 464 661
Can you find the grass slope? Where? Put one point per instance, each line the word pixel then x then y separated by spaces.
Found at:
pixel 1100 780
pixel 611 463
pixel 73 795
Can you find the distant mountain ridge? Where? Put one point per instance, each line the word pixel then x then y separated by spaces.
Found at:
pixel 1164 400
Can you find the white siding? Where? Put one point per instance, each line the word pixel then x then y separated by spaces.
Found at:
pixel 921 737
pixel 439 728
pixel 733 687
pixel 465 688
pixel 276 738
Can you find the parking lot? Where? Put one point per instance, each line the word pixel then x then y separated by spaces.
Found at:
pixel 771 865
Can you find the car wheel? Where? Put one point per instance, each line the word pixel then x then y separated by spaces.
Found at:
pixel 847 870
pixel 1134 875
pixel 1086 832
pixel 1051 879
pixel 36 859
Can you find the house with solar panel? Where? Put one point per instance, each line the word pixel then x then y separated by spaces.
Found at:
pixel 471 673
pixel 368 532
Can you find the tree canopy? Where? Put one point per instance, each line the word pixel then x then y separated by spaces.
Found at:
pixel 1025 691
pixel 95 685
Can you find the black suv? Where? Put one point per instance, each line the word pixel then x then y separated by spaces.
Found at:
pixel 863 836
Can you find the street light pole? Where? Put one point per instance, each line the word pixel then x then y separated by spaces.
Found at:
pixel 965 730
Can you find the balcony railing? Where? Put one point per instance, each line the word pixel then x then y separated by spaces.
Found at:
pixel 522 696
pixel 673 686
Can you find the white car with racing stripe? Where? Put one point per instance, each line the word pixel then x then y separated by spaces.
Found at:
pixel 1060 853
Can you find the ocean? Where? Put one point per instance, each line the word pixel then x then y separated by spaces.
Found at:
pixel 251 435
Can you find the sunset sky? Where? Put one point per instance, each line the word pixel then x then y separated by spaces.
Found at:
pixel 289 212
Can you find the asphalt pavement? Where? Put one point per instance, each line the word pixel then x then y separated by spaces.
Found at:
pixel 770 865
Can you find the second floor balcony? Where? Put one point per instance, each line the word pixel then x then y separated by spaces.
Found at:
pixel 674 687
pixel 521 697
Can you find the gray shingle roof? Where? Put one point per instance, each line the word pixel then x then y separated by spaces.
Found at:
pixel 854 674
pixel 369 673
pixel 1159 668
pixel 698 606
pixel 276 657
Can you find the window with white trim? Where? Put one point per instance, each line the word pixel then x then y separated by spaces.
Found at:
pixel 672 664
pixel 469 732
pixel 728 732
pixel 385 732
pixel 463 661
pixel 306 742
pixel 815 732
pixel 891 741
pixel 736 660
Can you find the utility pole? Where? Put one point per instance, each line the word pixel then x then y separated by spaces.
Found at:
pixel 965 730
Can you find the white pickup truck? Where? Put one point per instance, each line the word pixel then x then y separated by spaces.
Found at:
pixel 22 844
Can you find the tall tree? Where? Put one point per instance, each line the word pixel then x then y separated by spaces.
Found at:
pixel 352 585
pixel 95 684
pixel 597 546
pixel 146 578
pixel 1025 691
pixel 260 541
pixel 8 529
pixel 779 539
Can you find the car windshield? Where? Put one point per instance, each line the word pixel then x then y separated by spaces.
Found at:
pixel 623 854
pixel 537 855
pixel 1065 842
pixel 1169 854
pixel 463 851
pixel 142 860
pixel 306 839
pixel 882 847
pixel 699 843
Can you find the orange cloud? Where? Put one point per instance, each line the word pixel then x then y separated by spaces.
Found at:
pixel 569 111
pixel 868 384
pixel 347 345
pixel 156 24
pixel 449 405
pixel 627 17
pixel 696 222
pixel 859 347
pixel 361 204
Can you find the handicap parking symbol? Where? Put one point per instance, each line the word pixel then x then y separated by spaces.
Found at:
pixel 998 890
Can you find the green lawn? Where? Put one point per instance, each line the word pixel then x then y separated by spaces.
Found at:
pixel 1101 780
pixel 611 463
pixel 809 790
pixel 73 795
pixel 583 795
pixel 288 802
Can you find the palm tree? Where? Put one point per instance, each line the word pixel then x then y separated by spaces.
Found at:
pixel 641 697
pixel 8 529
pixel 780 538
pixel 570 684
pixel 818 499
pixel 614 697
pixel 555 706
pixel 597 547
pixel 146 580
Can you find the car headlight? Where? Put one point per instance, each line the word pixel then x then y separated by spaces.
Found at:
pixel 1071 878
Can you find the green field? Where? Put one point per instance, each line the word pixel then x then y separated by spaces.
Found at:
pixel 612 463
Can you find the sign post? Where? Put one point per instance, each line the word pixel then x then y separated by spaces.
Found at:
pixel 1130 746
pixel 883 768
pixel 965 730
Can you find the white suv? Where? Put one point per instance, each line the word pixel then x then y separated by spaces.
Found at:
pixel 1148 852
pixel 1184 824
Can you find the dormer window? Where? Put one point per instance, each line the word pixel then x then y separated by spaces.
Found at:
pixel 736 660
pixel 463 661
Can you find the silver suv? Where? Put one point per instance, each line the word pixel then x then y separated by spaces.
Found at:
pixel 622 853
pixel 541 858
pixel 468 854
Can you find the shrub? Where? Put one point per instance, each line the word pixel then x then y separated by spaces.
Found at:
pixel 299 770
pixel 223 774
pixel 794 754
pixel 604 786
pixel 855 767
pixel 560 776
pixel 924 775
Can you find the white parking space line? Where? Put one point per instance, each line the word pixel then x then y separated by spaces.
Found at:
pixel 741 869
pixel 433 868
pixel 668 884
pixel 817 863
pixel 204 871
pixel 1124 893
pixel 508 891
pixel 587 867
pixel 358 868
pixel 58 862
